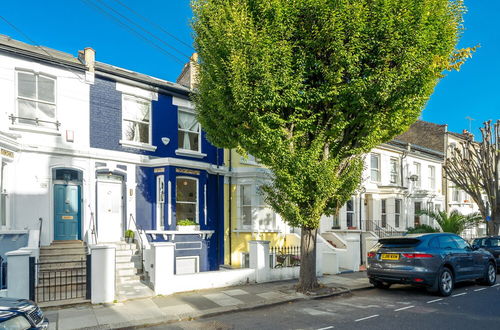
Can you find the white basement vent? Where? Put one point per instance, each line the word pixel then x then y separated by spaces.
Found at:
pixel 186 265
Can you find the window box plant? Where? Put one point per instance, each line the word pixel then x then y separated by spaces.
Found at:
pixel 187 225
pixel 129 236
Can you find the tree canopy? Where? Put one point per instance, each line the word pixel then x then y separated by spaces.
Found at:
pixel 308 86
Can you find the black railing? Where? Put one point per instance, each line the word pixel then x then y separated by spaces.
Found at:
pixel 3 274
pixel 36 120
pixel 93 230
pixel 139 232
pixel 285 256
pixel 381 231
pixel 40 232
pixel 59 280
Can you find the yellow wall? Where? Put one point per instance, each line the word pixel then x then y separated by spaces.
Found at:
pixel 239 241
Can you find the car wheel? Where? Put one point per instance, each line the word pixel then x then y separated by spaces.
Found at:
pixel 445 282
pixel 490 277
pixel 381 285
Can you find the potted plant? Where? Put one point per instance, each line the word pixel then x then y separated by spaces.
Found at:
pixel 187 225
pixel 129 236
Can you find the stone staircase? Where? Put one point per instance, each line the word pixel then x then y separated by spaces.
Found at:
pixel 128 266
pixel 62 273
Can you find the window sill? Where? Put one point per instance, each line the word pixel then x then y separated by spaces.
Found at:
pixel 137 145
pixel 189 153
pixel 35 129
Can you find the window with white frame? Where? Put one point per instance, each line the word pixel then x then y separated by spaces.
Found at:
pixel 394 170
pixel 188 131
pixel 417 170
pixel 383 212
pixel 397 212
pixel 455 194
pixel 350 213
pixel 255 214
pixel 375 167
pixel 160 202
pixel 136 119
pixel 432 177
pixel 186 200
pixel 36 99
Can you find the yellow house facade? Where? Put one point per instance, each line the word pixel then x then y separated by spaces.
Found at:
pixel 247 217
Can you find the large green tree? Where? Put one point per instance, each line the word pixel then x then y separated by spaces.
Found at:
pixel 308 86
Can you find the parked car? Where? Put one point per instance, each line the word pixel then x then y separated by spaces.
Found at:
pixel 436 261
pixel 491 244
pixel 21 314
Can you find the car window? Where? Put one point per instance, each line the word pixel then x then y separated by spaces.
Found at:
pixel 447 242
pixel 479 242
pixel 462 244
pixel 494 242
pixel 434 243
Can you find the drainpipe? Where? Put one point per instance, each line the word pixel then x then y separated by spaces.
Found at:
pixel 230 205
pixel 363 190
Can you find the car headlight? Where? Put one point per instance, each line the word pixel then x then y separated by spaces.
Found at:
pixel 15 323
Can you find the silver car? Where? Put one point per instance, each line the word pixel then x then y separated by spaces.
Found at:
pixel 436 261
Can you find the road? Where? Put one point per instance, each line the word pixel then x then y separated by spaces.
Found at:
pixel 471 306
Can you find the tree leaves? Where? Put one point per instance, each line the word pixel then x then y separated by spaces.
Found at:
pixel 307 86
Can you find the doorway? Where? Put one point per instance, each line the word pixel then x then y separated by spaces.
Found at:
pixel 67 204
pixel 110 222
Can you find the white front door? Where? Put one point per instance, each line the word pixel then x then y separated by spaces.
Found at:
pixel 110 210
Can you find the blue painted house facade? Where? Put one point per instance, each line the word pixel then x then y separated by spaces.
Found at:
pixel 155 167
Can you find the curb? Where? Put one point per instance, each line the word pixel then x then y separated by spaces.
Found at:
pixel 341 292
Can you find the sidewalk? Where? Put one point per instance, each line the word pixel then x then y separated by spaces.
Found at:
pixel 191 305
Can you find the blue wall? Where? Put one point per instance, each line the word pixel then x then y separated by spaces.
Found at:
pixel 106 132
pixel 106 124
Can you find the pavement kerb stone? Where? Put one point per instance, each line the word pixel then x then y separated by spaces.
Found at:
pixel 228 309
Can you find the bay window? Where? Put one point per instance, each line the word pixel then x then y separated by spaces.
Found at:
pixel 255 214
pixel 186 205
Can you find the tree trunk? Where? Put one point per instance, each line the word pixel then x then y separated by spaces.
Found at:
pixel 308 280
pixel 494 224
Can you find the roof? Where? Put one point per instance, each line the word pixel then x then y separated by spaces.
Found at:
pixel 425 134
pixel 43 54
pixel 56 57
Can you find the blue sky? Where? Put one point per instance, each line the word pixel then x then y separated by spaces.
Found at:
pixel 72 25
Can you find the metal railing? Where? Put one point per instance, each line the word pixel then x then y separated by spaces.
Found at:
pixel 381 231
pixel 3 274
pixel 284 256
pixel 59 280
pixel 36 120
pixel 40 232
pixel 139 232
pixel 93 230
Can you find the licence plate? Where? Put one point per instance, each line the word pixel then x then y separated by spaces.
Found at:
pixel 390 256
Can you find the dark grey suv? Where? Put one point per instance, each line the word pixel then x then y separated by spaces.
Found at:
pixel 436 261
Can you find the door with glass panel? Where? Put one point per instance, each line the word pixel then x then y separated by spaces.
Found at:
pixel 110 220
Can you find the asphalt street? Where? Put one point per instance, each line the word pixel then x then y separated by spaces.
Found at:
pixel 471 306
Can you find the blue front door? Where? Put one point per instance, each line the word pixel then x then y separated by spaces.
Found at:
pixel 67 212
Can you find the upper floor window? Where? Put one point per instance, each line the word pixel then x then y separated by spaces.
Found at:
pixel 36 99
pixel 394 170
pixel 432 177
pixel 189 131
pixel 136 119
pixel 417 171
pixel 255 214
pixel 455 194
pixel 375 167
pixel 186 199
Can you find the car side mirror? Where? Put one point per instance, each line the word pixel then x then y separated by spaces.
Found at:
pixel 475 247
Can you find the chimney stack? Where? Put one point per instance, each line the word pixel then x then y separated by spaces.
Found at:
pixel 189 75
pixel 87 57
